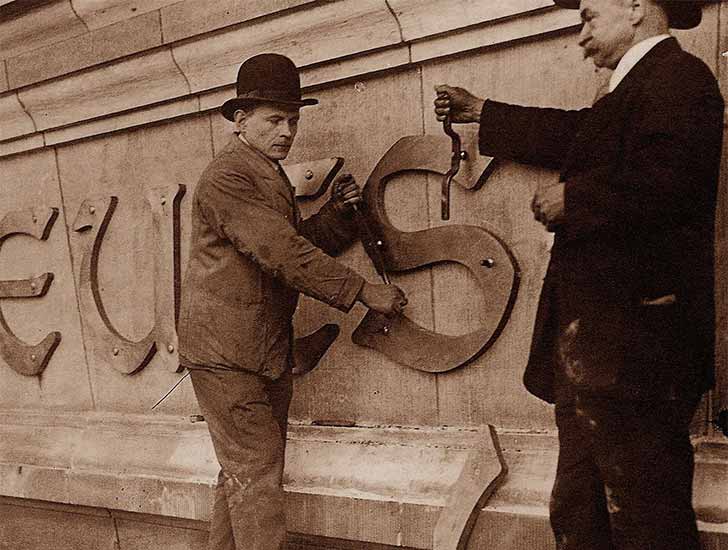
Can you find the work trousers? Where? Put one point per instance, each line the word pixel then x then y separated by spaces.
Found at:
pixel 247 416
pixel 625 476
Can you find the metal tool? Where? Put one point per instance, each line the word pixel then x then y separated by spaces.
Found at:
pixel 372 244
pixel 166 395
pixel 457 155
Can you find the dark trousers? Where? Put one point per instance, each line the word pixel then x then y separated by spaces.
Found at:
pixel 625 476
pixel 247 416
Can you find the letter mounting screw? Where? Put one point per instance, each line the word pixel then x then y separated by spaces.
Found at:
pixel 170 348
pixel 488 262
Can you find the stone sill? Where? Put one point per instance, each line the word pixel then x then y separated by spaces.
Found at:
pixel 373 484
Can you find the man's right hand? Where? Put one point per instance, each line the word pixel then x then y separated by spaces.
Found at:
pixel 386 299
pixel 458 103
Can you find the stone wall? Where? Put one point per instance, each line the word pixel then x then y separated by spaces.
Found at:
pixel 118 98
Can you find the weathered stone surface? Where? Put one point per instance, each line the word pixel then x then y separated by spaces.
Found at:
pixel 25 181
pixel 25 528
pixel 129 83
pixel 322 33
pixel 455 14
pixel 40 26
pixel 139 535
pixel 508 30
pixel 16 121
pixel 20 145
pixel 101 13
pixel 127 166
pixel 190 17
pixel 122 121
pixel 3 77
pixel 85 50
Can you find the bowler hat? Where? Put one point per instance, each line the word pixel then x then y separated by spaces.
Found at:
pixel 681 14
pixel 269 78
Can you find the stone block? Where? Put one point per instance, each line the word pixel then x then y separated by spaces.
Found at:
pixel 324 32
pixel 344 518
pixel 37 27
pixel 85 50
pixel 4 86
pixel 140 535
pixel 25 528
pixel 21 145
pixel 419 19
pixel 16 120
pixel 122 121
pixel 126 84
pixel 183 19
pixel 499 32
pixel 102 13
pixel 32 180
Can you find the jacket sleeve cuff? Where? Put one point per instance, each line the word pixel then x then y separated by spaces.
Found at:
pixel 347 296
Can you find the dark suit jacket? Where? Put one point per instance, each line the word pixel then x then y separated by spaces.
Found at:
pixel 250 256
pixel 627 306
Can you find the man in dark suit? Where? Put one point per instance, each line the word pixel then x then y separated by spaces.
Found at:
pixel 250 256
pixel 624 335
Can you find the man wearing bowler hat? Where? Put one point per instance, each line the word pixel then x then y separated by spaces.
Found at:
pixel 251 255
pixel 624 334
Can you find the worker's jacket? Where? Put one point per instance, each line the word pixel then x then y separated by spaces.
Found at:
pixel 250 256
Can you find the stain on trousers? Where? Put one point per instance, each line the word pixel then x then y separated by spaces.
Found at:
pixel 624 477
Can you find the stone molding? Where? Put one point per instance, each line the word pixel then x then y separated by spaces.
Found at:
pixel 394 480
pixel 103 73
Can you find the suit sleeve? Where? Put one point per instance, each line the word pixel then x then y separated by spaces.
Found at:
pixel 329 230
pixel 530 135
pixel 240 213
pixel 670 167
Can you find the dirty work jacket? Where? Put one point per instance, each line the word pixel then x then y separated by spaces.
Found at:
pixel 250 257
pixel 627 305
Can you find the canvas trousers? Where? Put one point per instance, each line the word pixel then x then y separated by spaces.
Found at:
pixel 247 416
pixel 625 475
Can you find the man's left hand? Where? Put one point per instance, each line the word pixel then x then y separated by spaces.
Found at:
pixel 548 205
pixel 345 193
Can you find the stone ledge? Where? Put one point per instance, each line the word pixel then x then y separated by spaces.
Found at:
pixel 381 485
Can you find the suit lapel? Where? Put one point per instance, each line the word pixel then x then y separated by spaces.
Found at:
pixel 602 123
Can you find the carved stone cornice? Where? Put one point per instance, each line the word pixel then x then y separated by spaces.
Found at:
pixel 330 40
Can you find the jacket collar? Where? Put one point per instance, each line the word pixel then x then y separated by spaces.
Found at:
pixel 663 49
pixel 632 57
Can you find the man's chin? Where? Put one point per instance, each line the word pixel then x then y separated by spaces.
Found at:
pixel 278 153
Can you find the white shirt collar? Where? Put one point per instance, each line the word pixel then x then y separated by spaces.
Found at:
pixel 632 57
pixel 276 166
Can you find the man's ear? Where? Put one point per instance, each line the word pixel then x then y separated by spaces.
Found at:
pixel 638 12
pixel 239 116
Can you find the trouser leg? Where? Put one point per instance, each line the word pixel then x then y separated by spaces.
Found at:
pixel 246 415
pixel 221 531
pixel 645 457
pixel 578 508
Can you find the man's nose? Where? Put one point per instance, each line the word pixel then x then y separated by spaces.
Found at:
pixel 285 129
pixel 584 36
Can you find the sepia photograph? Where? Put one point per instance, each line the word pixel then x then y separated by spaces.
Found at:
pixel 363 275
